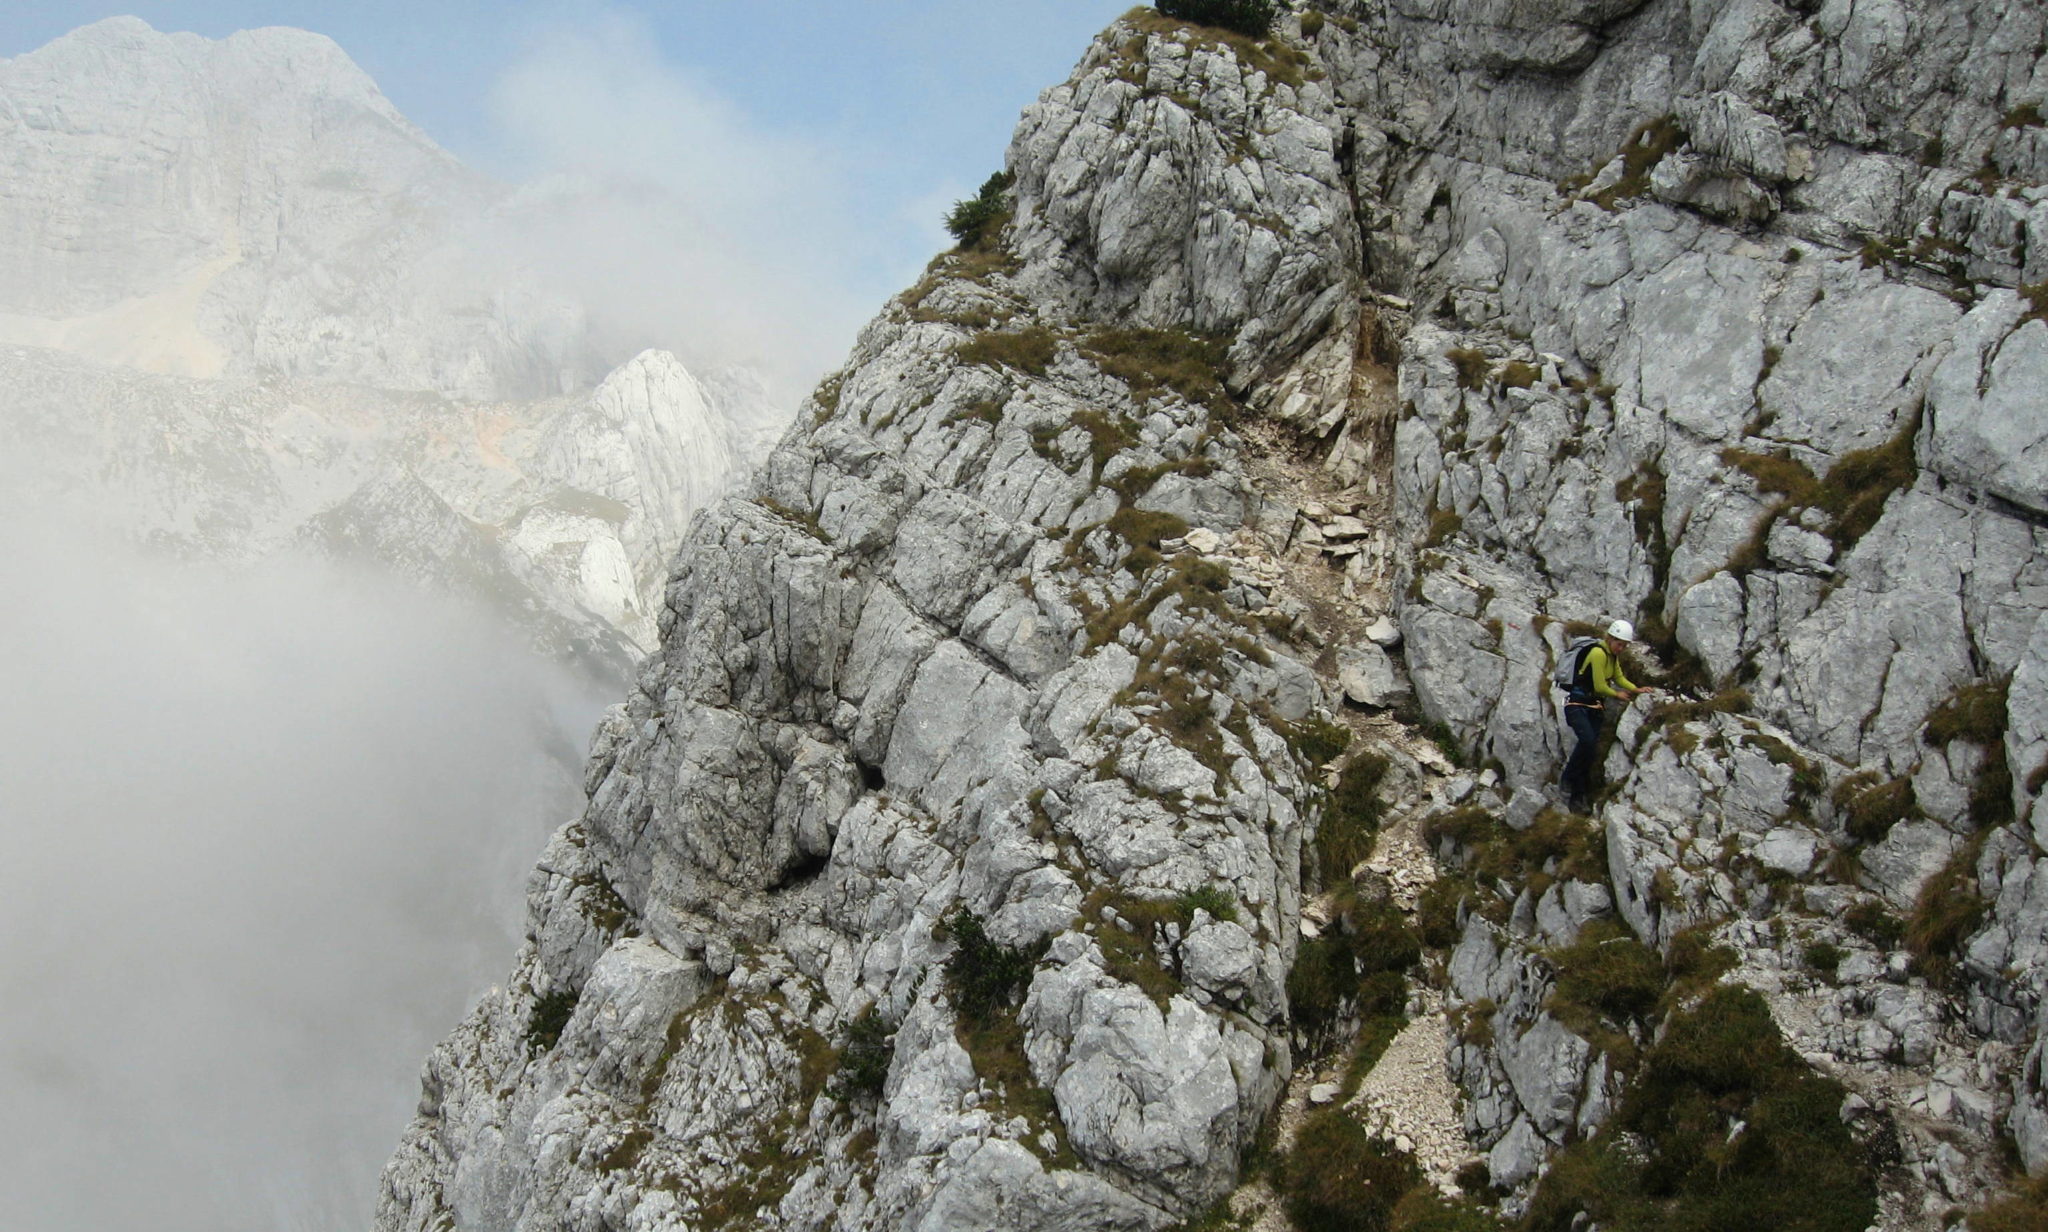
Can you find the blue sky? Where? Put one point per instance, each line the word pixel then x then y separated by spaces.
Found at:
pixel 835 133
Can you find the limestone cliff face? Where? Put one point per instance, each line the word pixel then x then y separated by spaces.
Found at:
pixel 1718 316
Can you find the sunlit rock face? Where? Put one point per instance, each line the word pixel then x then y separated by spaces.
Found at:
pixel 246 306
pixel 1721 317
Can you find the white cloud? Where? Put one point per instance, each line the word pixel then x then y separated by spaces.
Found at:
pixel 261 829
pixel 681 221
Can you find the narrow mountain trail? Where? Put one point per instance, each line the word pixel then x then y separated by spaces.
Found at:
pixel 1334 571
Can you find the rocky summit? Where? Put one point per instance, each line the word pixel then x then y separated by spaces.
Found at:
pixel 1101 774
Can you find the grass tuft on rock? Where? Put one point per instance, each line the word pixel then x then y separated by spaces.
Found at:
pixel 1870 805
pixel 1352 818
pixel 1976 713
pixel 1030 350
pixel 1946 914
pixel 1153 360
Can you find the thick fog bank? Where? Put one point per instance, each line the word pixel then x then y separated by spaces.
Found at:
pixel 263 834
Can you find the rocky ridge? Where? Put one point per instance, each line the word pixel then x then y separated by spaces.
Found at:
pixel 1718 316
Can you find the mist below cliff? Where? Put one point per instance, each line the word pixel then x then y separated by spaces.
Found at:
pixel 262 837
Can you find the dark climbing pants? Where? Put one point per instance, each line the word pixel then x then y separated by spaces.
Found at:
pixel 1578 768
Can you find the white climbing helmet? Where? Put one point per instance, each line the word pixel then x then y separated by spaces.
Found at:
pixel 1623 630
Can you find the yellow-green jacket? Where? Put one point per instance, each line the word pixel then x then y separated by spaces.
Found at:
pixel 1605 672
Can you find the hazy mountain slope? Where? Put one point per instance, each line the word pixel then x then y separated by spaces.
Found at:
pixel 254 307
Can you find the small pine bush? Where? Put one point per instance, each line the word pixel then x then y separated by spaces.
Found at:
pixel 550 1016
pixel 985 977
pixel 978 217
pixel 865 1058
pixel 1251 17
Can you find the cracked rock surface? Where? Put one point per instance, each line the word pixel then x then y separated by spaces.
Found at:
pixel 1721 317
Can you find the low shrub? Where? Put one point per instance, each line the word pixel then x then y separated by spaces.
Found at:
pixel 1874 922
pixel 1248 17
pixel 1339 1178
pixel 1724 1128
pixel 1213 899
pixel 1823 957
pixel 1607 970
pixel 1436 913
pixel 1318 741
pixel 1356 966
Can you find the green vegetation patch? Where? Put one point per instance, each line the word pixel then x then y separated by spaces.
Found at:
pixel 1317 741
pixel 1976 713
pixel 1870 804
pixel 2022 1208
pixel 1853 495
pixel 1949 909
pixel 1875 923
pixel 1646 147
pixel 1519 375
pixel 1029 350
pixel 864 1058
pixel 2026 115
pixel 1234 25
pixel 1724 1128
pixel 550 1016
pixel 1357 967
pixel 1352 818
pixel 983 975
pixel 975 222
pixel 627 1150
pixel 1443 525
pixel 1471 365
pixel 1608 971
pixel 1130 949
pixel 1557 846
pixel 1253 18
pixel 1426 1210
pixel 1339 1178
pixel 1150 361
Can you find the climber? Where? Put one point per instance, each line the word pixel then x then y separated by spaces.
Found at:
pixel 1593 669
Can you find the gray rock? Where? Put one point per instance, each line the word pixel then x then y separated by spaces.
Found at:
pixel 1367 675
